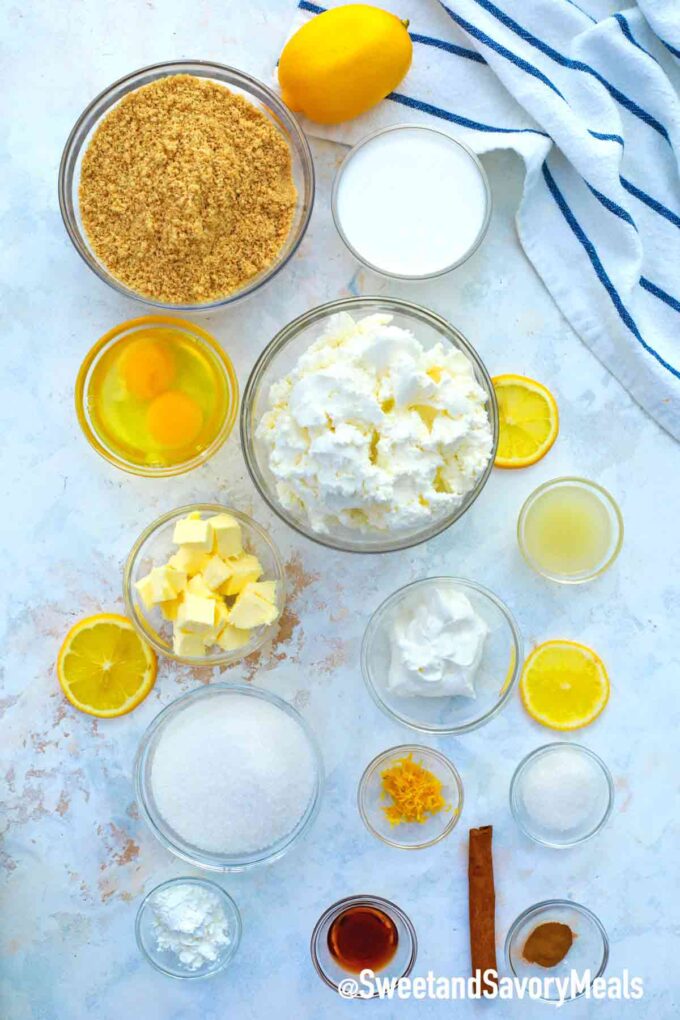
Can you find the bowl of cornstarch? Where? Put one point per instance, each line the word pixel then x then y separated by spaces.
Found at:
pixel 229 776
pixel 188 928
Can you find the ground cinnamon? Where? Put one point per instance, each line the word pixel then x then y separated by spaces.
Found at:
pixel 482 906
pixel 548 944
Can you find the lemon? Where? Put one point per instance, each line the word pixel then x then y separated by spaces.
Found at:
pixel 529 420
pixel 104 667
pixel 564 685
pixel 343 62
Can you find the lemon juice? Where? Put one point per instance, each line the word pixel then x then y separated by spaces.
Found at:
pixel 570 530
pixel 159 395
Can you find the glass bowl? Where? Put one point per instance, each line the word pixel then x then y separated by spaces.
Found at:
pixel 590 825
pixel 495 679
pixel 589 952
pixel 344 981
pixel 171 840
pixel 169 963
pixel 610 510
pixel 279 358
pixel 410 835
pixel 220 364
pixel 336 202
pixel 154 547
pixel 250 88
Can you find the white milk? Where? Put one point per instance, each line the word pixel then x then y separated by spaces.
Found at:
pixel 411 201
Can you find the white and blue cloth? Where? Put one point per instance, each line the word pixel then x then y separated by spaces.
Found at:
pixel 588 96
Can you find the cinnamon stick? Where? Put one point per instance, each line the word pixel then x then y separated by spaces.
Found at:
pixel 482 907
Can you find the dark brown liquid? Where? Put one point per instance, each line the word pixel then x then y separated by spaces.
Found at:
pixel 362 936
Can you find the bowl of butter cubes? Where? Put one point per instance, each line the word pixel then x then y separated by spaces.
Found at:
pixel 204 585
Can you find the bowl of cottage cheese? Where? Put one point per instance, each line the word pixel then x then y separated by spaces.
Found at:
pixel 369 424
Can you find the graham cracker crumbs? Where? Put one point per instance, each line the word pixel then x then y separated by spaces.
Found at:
pixel 186 190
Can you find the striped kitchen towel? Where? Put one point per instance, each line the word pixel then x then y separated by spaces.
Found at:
pixel 588 97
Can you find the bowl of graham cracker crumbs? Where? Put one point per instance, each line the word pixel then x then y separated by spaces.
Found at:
pixel 186 185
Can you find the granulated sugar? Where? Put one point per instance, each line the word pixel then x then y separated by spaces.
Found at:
pixel 232 774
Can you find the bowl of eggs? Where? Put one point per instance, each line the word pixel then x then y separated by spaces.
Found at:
pixel 156 396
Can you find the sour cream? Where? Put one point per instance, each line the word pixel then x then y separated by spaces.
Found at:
pixel 411 202
pixel 436 646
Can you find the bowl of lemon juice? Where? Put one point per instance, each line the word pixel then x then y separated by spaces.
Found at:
pixel 156 396
pixel 570 530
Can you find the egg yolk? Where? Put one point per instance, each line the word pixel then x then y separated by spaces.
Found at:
pixel 147 368
pixel 174 419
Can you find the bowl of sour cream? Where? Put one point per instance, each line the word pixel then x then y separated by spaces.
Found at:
pixel 442 655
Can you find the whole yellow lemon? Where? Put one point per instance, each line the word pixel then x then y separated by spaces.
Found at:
pixel 343 62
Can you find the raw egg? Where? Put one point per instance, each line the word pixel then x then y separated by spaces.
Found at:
pixel 147 368
pixel 174 419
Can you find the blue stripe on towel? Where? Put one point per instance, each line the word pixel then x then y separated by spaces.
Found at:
pixel 606 138
pixel 559 58
pixel 454 118
pixel 585 13
pixel 661 294
pixel 671 49
pixel 625 28
pixel 642 196
pixel 600 271
pixel 524 65
pixel 440 44
pixel 613 207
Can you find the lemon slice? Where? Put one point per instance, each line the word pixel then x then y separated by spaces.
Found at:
pixel 104 667
pixel 529 420
pixel 564 685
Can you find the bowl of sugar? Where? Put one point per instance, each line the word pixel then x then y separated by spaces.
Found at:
pixel 228 776
pixel 411 202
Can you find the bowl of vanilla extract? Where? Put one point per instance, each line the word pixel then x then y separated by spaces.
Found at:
pixel 362 933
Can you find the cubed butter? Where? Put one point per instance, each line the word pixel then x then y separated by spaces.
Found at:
pixel 221 618
pixel 196 614
pixel 242 572
pixel 160 585
pixel 252 610
pixel 170 608
pixel 194 532
pixel 227 532
pixel 197 586
pixel 189 559
pixel 187 644
pixel 215 572
pixel 231 638
pixel 265 589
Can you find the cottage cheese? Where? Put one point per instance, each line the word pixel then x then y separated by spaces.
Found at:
pixel 371 431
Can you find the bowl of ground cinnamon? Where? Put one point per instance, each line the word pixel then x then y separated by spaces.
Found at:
pixel 186 185
pixel 560 940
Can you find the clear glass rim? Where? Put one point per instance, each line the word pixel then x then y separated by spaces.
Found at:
pixel 605 497
pixel 448 332
pixel 139 622
pixel 151 72
pixel 398 751
pixel 215 862
pixel 232 909
pixel 507 689
pixel 402 276
pixel 111 337
pixel 337 908
pixel 536 910
pixel 539 752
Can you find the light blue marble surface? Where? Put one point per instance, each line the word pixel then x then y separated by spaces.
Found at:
pixel 76 857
